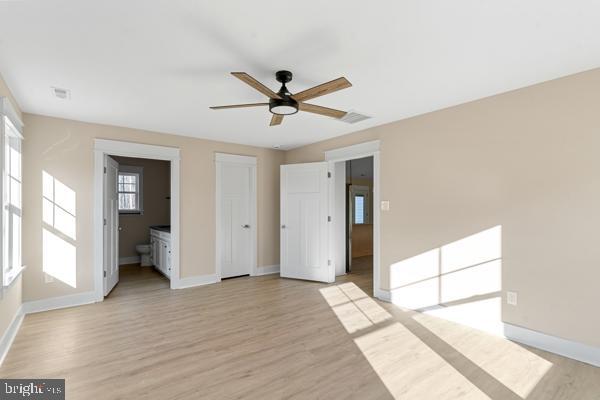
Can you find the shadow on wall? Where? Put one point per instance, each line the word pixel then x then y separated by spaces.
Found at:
pixel 59 230
pixel 460 281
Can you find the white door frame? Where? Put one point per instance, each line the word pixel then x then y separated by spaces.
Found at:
pixel 361 150
pixel 250 161
pixel 104 147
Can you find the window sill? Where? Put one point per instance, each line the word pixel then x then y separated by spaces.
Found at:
pixel 131 212
pixel 12 276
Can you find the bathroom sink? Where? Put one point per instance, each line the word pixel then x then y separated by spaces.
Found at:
pixel 163 228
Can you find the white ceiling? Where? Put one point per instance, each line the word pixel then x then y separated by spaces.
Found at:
pixel 159 65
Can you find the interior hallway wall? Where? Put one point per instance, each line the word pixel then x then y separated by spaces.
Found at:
pixel 156 184
pixel 64 149
pixel 526 160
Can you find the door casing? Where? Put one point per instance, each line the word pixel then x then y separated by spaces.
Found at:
pixel 103 147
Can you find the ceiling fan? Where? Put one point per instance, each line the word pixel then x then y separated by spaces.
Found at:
pixel 285 103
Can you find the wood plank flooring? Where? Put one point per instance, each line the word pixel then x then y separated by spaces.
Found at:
pixel 271 338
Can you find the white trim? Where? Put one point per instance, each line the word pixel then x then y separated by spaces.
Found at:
pixel 104 147
pixel 361 150
pixel 139 171
pixel 136 150
pixel 234 158
pixel 201 280
pixel 129 260
pixel 11 332
pixel 267 270
pixel 55 303
pixel 564 347
pixel 7 109
pixel 383 295
pixel 250 161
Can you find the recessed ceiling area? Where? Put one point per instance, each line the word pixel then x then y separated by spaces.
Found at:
pixel 159 65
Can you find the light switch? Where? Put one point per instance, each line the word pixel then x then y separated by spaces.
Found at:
pixel 385 205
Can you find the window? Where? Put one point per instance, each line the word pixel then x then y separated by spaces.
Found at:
pixel 129 187
pixel 11 193
pixel 359 209
pixel 360 204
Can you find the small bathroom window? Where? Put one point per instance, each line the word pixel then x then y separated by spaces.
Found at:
pixel 129 188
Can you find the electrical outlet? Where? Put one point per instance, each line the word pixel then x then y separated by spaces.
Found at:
pixel 385 205
pixel 511 298
pixel 48 278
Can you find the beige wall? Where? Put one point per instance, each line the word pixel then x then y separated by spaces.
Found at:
pixel 527 160
pixel 10 299
pixel 64 149
pixel 135 228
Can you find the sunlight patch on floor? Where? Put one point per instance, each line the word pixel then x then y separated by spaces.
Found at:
pixel 397 356
pixel 410 369
pixel 492 354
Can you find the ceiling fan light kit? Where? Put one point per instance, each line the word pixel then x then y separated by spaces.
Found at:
pixel 285 103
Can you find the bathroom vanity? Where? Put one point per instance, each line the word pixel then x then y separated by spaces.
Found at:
pixel 160 242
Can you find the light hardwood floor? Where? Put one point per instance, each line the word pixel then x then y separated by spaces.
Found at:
pixel 271 338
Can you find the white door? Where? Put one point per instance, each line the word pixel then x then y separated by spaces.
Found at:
pixel 236 197
pixel 304 223
pixel 111 225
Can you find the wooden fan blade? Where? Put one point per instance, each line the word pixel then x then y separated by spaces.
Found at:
pixel 323 89
pixel 244 77
pixel 276 120
pixel 329 112
pixel 239 106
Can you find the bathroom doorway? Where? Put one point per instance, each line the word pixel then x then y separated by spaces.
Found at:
pixel 144 229
pixel 136 216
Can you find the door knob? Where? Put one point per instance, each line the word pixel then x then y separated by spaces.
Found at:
pixel 120 229
pixel 246 226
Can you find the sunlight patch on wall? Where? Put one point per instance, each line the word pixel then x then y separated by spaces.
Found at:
pixel 59 258
pixel 59 230
pixel 461 281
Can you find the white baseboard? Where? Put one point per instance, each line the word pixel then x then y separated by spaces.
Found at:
pixel 10 334
pixel 267 270
pixel 55 303
pixel 383 295
pixel 129 260
pixel 564 347
pixel 196 281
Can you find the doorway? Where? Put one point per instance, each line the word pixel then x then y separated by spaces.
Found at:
pixel 315 218
pixel 119 191
pixel 359 222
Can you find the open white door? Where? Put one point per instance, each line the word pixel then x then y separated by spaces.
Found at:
pixel 304 223
pixel 111 225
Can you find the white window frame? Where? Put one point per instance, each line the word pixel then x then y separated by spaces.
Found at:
pixel 8 272
pixel 356 190
pixel 139 172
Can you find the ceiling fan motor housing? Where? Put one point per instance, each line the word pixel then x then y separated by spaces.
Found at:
pixel 286 105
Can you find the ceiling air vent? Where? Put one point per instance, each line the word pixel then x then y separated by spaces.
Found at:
pixel 61 93
pixel 352 117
